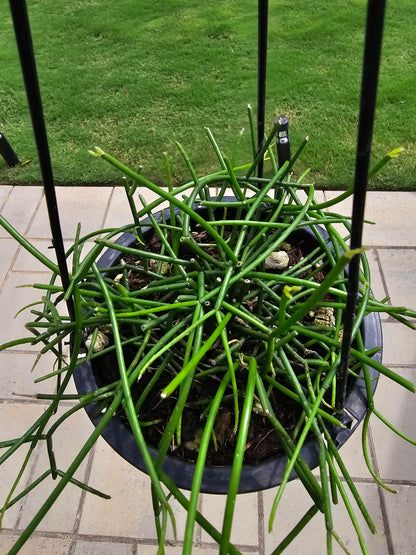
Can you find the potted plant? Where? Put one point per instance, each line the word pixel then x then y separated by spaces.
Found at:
pixel 208 338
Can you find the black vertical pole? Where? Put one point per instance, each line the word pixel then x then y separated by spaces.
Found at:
pixel 28 63
pixel 7 152
pixel 371 65
pixel 263 9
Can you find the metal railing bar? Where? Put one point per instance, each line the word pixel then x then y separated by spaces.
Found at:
pixel 263 13
pixel 369 85
pixel 28 63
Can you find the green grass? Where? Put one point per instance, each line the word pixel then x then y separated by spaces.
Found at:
pixel 134 76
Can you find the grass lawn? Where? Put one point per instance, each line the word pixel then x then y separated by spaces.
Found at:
pixel 134 76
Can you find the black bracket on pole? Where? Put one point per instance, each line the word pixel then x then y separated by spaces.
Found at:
pixel 282 140
pixel 7 152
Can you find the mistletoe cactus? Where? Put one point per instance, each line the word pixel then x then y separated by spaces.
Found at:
pixel 221 303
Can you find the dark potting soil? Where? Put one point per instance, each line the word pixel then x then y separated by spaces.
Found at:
pixel 262 442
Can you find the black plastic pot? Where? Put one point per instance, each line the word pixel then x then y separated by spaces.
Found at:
pixel 216 479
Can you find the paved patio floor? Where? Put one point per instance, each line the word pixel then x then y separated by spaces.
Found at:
pixel 82 524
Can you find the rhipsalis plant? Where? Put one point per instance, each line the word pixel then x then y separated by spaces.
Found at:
pixel 220 314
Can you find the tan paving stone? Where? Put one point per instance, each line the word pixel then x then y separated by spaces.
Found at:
pixel 395 457
pixel 5 190
pixel 102 548
pixel 392 212
pixel 245 522
pixel 296 503
pixel 26 262
pixel 343 208
pixel 129 512
pixel 67 442
pixel 177 550
pixel 8 250
pixel 146 549
pixel 86 205
pixel 20 207
pixel 377 285
pixel 16 377
pixel 319 196
pixel 351 453
pixel 13 297
pixel 119 213
pixel 401 512
pixel 38 544
pixel 399 345
pixel 15 419
pixel 399 271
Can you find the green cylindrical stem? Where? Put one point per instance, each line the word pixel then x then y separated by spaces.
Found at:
pixel 238 458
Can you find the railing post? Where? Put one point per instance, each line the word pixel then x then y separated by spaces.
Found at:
pixel 369 83
pixel 263 9
pixel 28 63
pixel 7 152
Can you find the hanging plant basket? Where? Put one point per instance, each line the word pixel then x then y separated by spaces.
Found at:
pixel 216 478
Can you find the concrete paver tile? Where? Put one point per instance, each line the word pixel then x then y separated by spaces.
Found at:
pixel 8 250
pixel 5 190
pixel 313 539
pixel 401 512
pixel 144 549
pixel 344 208
pixel 398 266
pixel 319 195
pixel 351 453
pixel 177 550
pixel 16 377
pixel 67 441
pixel 86 205
pixel 13 298
pixel 245 528
pixel 41 545
pixel 129 512
pixel 399 345
pixel 20 207
pixel 26 262
pixel 15 419
pixel 393 214
pixel 395 457
pixel 377 285
pixel 149 196
pixel 119 213
pixel 102 548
